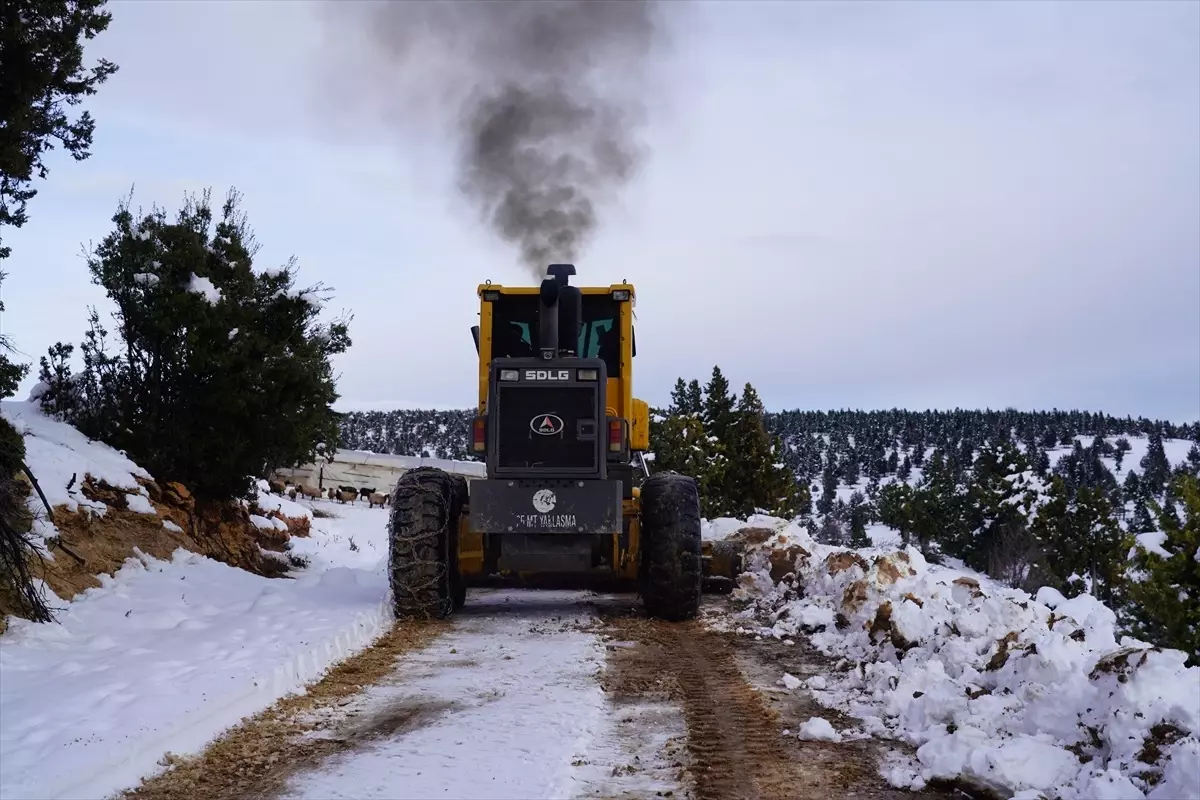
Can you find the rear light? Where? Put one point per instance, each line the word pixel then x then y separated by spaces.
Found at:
pixel 615 438
pixel 479 435
pixel 508 374
pixel 589 375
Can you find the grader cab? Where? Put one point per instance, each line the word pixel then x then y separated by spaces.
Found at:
pixel 568 499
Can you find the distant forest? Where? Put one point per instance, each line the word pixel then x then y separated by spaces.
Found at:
pixel 858 438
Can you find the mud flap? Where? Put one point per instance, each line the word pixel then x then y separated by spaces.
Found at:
pixel 545 506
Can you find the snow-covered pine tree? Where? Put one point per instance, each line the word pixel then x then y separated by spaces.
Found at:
pixel 1165 602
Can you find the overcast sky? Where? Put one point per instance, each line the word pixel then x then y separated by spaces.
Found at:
pixel 906 205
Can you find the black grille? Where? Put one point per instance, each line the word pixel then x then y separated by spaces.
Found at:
pixel 518 447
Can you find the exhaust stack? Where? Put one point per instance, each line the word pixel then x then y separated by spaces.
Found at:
pixel 560 313
pixel 548 318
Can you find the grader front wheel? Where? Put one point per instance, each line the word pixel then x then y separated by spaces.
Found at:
pixel 671 568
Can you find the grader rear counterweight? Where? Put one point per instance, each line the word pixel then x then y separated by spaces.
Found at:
pixel 567 499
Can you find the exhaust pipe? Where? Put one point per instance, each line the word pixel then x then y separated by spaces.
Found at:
pixel 548 318
pixel 557 298
pixel 570 319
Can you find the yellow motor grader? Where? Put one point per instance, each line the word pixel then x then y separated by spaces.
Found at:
pixel 569 500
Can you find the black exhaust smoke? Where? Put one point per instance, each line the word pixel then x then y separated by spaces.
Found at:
pixel 547 97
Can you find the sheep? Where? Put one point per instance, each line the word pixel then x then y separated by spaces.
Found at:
pixel 332 493
pixel 347 497
pixel 377 499
pixel 310 492
pixel 276 487
pixel 291 492
pixel 366 492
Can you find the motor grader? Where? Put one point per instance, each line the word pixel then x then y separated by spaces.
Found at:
pixel 568 499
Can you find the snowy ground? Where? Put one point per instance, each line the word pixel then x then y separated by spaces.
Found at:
pixel 506 705
pixel 1017 694
pixel 165 655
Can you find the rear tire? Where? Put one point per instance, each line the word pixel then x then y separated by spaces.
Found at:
pixel 671 566
pixel 423 543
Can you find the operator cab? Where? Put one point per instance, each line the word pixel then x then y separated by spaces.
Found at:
pixel 515 326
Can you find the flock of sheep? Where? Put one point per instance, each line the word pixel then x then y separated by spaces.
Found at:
pixel 343 494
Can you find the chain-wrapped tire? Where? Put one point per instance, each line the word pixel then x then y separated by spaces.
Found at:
pixel 423 543
pixel 671 568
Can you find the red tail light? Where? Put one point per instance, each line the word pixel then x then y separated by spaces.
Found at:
pixel 615 435
pixel 479 435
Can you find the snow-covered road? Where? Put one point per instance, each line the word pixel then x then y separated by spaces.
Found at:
pixel 508 704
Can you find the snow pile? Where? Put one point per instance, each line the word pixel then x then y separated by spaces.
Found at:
pixel 817 729
pixel 1011 693
pixel 60 456
pixel 272 502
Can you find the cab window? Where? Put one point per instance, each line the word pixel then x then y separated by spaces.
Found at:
pixel 515 327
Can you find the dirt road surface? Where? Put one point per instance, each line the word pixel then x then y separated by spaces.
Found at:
pixel 542 694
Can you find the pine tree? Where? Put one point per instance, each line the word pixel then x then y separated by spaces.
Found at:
pixel 1120 448
pixel 41 59
pixel 829 484
pixel 1142 522
pixel 1156 469
pixel 1166 604
pixel 1132 488
pixel 850 468
pixel 918 456
pixel 858 528
pixel 994 506
pixel 755 481
pixel 695 397
pixel 718 406
pixel 678 398
pixel 1193 458
pixel 905 470
pixel 894 509
pixel 221 372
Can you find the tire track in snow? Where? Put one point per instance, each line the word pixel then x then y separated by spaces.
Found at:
pixel 734 735
pixel 255 758
pixel 520 714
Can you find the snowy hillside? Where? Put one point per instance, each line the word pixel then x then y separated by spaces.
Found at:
pixel 1015 694
pixel 1177 452
pixel 166 653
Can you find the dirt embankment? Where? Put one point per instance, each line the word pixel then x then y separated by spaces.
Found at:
pixel 735 734
pixel 90 544
pixel 254 760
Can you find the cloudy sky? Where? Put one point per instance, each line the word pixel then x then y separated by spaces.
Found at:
pixel 922 205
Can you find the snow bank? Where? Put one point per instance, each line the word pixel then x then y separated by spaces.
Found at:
pixel 1011 693
pixel 60 456
pixel 164 655
pixel 272 502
